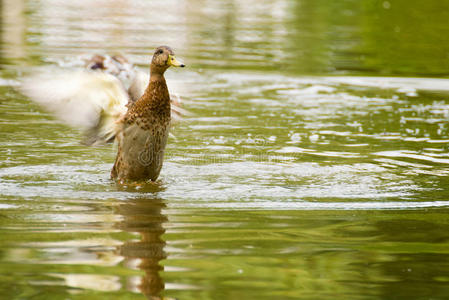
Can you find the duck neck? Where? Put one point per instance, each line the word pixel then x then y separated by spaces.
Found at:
pixel 157 78
pixel 157 87
pixel 156 97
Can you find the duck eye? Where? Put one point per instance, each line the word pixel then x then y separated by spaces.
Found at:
pixel 160 51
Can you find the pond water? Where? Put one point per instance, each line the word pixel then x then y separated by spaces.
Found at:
pixel 314 163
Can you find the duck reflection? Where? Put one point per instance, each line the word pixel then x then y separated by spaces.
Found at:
pixel 144 216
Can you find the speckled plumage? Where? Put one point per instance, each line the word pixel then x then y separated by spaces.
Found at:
pixel 142 140
pixel 145 127
pixel 114 101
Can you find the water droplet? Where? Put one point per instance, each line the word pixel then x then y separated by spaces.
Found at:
pixel 296 138
pixel 314 137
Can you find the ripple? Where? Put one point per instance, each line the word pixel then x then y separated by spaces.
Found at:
pixel 318 141
pixel 412 155
pixel 325 205
pixel 404 85
pixel 233 183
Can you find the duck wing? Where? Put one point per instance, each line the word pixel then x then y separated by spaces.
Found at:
pixel 92 101
pixel 137 86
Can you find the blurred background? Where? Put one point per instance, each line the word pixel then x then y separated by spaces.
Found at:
pixel 371 37
pixel 314 163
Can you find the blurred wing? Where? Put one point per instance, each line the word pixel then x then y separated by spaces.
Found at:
pixel 177 112
pixel 92 101
pixel 138 85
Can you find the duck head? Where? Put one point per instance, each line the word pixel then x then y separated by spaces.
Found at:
pixel 163 58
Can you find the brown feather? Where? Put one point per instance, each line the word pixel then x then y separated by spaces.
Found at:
pixel 142 140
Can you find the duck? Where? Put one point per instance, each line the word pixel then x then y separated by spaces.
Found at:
pixel 114 102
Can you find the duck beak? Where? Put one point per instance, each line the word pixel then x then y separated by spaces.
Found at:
pixel 172 61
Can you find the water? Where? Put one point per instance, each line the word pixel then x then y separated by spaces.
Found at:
pixel 300 173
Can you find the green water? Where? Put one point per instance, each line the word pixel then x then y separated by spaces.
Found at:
pixel 314 164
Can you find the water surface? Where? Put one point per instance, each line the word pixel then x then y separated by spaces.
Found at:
pixel 313 165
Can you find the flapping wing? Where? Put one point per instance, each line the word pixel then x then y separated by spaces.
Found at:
pixel 92 101
pixel 138 85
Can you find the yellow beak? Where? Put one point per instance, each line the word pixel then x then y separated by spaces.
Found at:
pixel 172 61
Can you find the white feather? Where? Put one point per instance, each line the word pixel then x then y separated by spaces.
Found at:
pixel 93 101
pixel 138 85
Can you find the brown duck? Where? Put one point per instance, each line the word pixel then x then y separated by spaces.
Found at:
pixel 111 107
pixel 145 126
